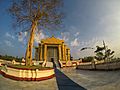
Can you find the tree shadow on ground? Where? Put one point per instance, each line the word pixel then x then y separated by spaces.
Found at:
pixel 65 83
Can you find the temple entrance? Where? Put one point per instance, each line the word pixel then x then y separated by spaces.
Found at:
pixel 52 54
pixel 52 48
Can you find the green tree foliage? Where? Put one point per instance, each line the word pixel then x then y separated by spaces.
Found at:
pixel 87 59
pixel 99 55
pixel 86 48
pixel 99 48
pixel 10 58
pixel 104 53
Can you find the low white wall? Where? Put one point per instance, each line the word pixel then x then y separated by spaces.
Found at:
pixel 71 63
pixel 100 66
pixel 32 74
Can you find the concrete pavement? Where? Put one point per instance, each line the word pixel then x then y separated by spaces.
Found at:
pixel 65 83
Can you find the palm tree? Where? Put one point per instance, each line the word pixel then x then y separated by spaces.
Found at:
pixel 103 53
pixel 35 13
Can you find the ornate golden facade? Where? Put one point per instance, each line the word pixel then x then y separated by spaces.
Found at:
pixel 52 48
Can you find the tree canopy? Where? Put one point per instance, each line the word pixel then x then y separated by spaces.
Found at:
pixel 104 53
pixel 47 13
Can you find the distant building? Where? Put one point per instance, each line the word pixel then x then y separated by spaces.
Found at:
pixel 52 49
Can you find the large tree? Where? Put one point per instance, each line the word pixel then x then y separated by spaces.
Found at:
pixel 31 14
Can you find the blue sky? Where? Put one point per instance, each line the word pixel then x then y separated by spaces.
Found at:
pixel 87 23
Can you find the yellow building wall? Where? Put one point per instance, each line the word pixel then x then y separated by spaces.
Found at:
pixel 63 50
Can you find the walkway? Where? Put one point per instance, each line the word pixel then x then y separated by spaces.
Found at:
pixel 65 83
pixel 8 84
pixel 68 79
pixel 94 80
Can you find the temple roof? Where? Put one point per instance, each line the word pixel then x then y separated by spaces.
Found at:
pixel 52 40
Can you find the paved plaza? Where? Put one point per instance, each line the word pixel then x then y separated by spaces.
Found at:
pixel 8 84
pixel 68 79
pixel 95 80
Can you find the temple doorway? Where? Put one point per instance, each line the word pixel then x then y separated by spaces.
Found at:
pixel 52 54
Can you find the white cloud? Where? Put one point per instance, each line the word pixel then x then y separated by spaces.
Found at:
pixel 76 46
pixel 75 42
pixel 20 38
pixel 9 35
pixel 110 25
pixel 77 33
pixel 23 37
pixel 9 43
pixel 39 35
pixel 65 36
pixel 25 33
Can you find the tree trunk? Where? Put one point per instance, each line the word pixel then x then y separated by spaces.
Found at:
pixel 28 56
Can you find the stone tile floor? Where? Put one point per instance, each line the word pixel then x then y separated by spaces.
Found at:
pixel 65 83
pixel 95 80
pixel 90 80
pixel 8 84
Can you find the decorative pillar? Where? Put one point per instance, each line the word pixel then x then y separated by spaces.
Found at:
pixel 59 48
pixel 68 56
pixel 41 50
pixel 45 52
pixel 63 54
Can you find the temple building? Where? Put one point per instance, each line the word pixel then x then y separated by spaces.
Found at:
pixel 52 49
